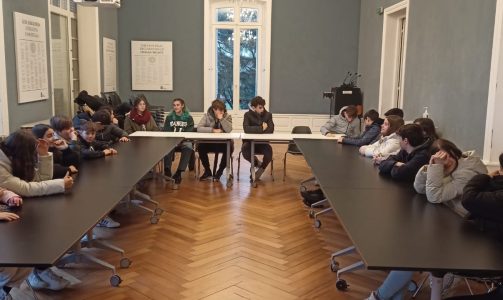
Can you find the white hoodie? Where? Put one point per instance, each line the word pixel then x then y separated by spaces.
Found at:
pixel 42 184
pixel 385 146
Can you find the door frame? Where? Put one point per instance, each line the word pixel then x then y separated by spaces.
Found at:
pixel 496 71
pixel 4 100
pixel 389 64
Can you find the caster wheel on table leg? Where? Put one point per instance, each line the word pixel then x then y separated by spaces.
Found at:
pixel 154 220
pixel 317 224
pixel 125 262
pixel 341 284
pixel 115 280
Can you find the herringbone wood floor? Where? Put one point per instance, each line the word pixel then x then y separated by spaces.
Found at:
pixel 219 243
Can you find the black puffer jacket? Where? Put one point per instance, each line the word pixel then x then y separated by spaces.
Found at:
pixel 412 163
pixel 483 197
pixel 252 122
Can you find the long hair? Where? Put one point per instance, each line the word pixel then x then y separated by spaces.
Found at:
pixel 428 127
pixel 395 122
pixel 20 147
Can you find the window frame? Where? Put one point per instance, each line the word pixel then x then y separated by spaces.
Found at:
pixel 263 25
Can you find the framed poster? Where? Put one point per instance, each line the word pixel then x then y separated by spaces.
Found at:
pixel 31 58
pixel 109 65
pixel 152 65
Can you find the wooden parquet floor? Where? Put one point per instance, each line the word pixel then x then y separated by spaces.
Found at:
pixel 219 243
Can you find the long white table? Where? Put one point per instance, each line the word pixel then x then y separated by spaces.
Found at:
pixel 200 137
pixel 265 138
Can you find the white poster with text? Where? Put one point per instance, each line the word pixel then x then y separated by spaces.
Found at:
pixel 31 58
pixel 109 65
pixel 152 65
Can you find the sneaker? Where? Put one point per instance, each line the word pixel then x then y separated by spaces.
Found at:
pixel 447 282
pixel 372 296
pixel 108 223
pixel 206 175
pixel 177 177
pixel 259 173
pixel 53 281
pixel 36 282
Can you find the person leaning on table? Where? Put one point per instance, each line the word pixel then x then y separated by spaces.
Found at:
pixel 346 122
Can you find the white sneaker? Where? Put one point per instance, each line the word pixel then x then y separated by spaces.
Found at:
pixel 35 281
pixel 372 297
pixel 447 282
pixel 108 223
pixel 53 281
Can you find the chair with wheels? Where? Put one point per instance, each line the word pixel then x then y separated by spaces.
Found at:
pixel 292 147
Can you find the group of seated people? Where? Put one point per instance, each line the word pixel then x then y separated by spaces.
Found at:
pixel 434 166
pixel 42 161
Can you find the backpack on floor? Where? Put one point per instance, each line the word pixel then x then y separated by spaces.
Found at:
pixel 311 192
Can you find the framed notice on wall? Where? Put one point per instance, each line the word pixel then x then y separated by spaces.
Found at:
pixel 109 65
pixel 31 58
pixel 152 65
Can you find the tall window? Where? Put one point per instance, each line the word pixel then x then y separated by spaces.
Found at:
pixel 237 40
pixel 64 55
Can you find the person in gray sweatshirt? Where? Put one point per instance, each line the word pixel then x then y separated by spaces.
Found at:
pixel 215 120
pixel 346 122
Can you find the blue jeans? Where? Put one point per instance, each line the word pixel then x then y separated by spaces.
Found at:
pixel 395 285
pixel 13 276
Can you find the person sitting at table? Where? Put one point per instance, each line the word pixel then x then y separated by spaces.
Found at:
pixel 64 130
pixel 346 122
pixel 389 142
pixel 178 120
pixel 26 169
pixel 442 180
pixel 89 149
pixel 215 120
pixel 372 130
pixel 428 127
pixel 59 149
pixel 140 118
pixel 446 175
pixel 483 195
pixel 413 155
pixel 86 144
pixel 258 120
pixel 394 112
pixel 107 132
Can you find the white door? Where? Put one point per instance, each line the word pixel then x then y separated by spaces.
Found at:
pixel 493 143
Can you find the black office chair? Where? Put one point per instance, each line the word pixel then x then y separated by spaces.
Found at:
pixel 239 165
pixel 292 148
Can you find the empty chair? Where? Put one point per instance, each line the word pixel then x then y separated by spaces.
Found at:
pixel 292 147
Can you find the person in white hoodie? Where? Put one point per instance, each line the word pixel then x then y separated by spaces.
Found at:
pixel 26 169
pixel 449 170
pixel 389 142
pixel 443 181
pixel 346 122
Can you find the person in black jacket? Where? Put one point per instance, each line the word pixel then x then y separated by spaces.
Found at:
pixel 371 133
pixel 483 195
pixel 108 133
pixel 415 153
pixel 258 120
pixel 86 143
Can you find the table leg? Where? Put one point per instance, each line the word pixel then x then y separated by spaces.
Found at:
pixel 228 168
pixel 252 162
